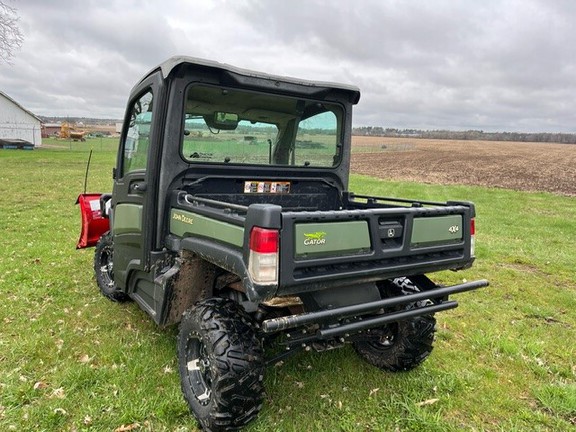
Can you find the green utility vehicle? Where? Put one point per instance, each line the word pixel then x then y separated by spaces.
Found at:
pixel 231 215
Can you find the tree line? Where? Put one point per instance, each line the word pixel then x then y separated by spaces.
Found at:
pixel 543 137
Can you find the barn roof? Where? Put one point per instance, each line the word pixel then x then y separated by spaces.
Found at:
pixel 19 106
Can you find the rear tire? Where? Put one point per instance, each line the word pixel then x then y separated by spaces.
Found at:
pixel 403 345
pixel 221 363
pixel 104 270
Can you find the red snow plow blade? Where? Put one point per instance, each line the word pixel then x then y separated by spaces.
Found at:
pixel 94 223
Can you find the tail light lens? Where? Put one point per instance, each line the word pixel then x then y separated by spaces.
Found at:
pixel 472 236
pixel 263 259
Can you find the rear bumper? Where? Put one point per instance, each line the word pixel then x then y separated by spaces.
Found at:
pixel 351 319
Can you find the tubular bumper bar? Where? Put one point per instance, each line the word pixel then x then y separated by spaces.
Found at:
pixel 293 321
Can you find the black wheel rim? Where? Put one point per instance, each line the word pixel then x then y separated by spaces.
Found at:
pixel 198 370
pixel 106 266
pixel 386 337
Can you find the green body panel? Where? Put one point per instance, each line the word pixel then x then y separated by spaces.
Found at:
pixel 430 230
pixel 185 223
pixel 127 218
pixel 332 238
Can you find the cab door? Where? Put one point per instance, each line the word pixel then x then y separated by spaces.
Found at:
pixel 132 234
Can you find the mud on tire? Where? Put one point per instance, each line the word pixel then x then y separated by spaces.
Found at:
pixel 104 271
pixel 221 364
pixel 403 345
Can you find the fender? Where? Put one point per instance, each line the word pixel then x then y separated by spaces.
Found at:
pixel 230 259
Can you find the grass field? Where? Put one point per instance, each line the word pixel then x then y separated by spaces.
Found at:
pixel 70 360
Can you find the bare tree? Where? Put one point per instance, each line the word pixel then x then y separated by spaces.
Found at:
pixel 11 37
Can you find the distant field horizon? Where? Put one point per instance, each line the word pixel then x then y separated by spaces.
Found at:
pixel 521 166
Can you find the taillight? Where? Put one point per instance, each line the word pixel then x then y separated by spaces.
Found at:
pixel 472 235
pixel 263 260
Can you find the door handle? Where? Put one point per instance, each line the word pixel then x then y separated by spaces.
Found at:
pixel 139 187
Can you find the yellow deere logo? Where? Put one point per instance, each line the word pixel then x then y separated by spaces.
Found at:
pixel 316 238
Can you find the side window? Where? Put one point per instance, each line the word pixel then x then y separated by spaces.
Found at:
pixel 317 141
pixel 138 135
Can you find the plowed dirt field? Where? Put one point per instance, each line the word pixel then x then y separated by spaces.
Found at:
pixel 518 166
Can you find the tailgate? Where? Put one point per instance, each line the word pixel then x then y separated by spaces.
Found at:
pixel 331 248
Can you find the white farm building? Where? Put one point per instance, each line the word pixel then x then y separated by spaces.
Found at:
pixel 17 124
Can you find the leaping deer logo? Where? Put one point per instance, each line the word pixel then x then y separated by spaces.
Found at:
pixel 319 235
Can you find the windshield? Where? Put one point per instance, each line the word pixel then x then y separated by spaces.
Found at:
pixel 241 127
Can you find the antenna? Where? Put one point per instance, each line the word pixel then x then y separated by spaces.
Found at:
pixel 87 169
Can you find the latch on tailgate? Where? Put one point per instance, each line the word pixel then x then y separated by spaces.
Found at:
pixel 390 230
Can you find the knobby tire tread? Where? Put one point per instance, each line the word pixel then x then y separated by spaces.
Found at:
pixel 413 341
pixel 106 283
pixel 237 365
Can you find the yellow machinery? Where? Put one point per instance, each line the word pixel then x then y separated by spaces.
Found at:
pixel 68 132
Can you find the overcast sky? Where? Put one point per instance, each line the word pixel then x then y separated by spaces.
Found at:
pixel 430 64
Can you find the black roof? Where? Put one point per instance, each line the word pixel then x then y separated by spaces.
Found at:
pixel 169 65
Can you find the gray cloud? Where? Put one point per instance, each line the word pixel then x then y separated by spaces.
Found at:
pixel 487 65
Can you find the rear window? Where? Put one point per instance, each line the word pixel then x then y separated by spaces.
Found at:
pixel 240 127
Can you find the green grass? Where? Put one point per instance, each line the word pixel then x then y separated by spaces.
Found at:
pixel 104 144
pixel 71 360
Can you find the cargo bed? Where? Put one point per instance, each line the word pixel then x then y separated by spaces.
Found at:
pixel 368 239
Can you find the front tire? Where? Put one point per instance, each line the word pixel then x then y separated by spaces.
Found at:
pixel 403 345
pixel 104 270
pixel 221 364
